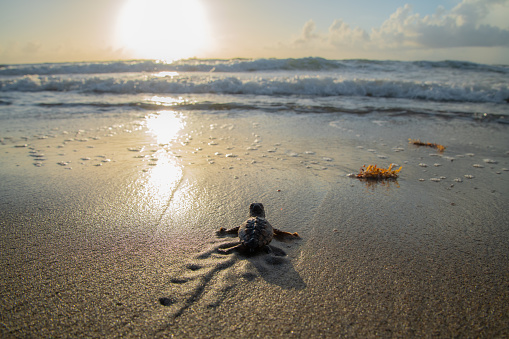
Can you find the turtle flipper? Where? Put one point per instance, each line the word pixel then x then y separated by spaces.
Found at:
pixel 223 230
pixel 279 233
pixel 230 249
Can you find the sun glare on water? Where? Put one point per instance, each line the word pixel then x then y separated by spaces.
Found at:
pixel 163 29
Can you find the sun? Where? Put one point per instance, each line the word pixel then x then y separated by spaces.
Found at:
pixel 163 29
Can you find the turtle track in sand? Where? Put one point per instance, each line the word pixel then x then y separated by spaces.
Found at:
pixel 211 277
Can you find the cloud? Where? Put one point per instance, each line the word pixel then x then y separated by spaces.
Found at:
pixel 462 26
pixel 341 34
pixel 308 33
pixel 459 27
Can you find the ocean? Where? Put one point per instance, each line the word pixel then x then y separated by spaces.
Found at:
pixel 39 95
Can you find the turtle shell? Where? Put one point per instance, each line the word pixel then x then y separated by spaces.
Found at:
pixel 255 233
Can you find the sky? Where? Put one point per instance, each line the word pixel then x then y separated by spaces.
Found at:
pixel 34 31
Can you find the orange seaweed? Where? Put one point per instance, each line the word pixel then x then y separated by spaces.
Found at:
pixel 378 173
pixel 417 142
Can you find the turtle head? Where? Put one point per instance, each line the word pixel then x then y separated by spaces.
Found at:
pixel 256 210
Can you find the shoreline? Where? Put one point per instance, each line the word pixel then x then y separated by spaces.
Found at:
pixel 93 250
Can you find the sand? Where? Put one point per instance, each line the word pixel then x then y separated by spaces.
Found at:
pixel 114 233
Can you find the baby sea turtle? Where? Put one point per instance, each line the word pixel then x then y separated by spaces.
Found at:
pixel 255 233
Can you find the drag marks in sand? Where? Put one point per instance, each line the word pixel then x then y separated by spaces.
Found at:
pixel 212 277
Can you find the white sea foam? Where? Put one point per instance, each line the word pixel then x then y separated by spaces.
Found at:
pixel 247 65
pixel 317 85
pixel 308 85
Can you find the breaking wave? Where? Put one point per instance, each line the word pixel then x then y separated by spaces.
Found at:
pixel 322 86
pixel 239 65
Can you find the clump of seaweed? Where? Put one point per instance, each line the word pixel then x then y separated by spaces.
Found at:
pixel 417 142
pixel 373 172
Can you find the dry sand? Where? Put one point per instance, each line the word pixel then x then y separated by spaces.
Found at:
pixel 119 238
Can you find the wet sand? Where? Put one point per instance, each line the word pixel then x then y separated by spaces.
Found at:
pixel 114 232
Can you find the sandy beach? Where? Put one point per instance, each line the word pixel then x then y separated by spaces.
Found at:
pixel 112 232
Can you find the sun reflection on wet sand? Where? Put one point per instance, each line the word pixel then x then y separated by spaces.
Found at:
pixel 165 125
pixel 164 178
pixel 165 172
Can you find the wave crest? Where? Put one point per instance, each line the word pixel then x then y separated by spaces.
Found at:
pixel 303 86
pixel 239 65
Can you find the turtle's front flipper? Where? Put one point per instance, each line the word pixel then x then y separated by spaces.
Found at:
pixel 229 249
pixel 279 233
pixel 223 230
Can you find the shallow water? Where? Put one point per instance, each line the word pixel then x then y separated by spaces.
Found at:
pixel 40 97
